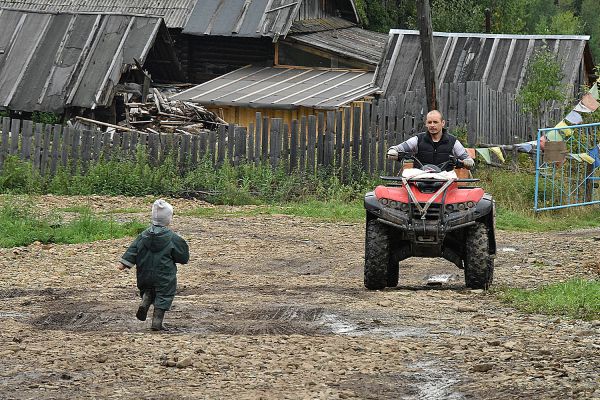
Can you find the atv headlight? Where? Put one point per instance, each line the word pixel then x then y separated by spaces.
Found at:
pixel 393 204
pixel 470 204
pixel 384 201
pixel 461 206
pixel 404 207
pixel 449 207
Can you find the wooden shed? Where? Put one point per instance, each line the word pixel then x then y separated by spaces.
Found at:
pixel 498 61
pixel 280 92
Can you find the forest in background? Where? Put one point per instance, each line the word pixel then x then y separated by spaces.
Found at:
pixel 527 17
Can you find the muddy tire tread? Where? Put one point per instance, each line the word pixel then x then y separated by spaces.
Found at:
pixel 479 266
pixel 377 254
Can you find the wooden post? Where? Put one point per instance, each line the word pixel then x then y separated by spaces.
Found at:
pixel 303 144
pixel 294 146
pixel 429 64
pixel 274 141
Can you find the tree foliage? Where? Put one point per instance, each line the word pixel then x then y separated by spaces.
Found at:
pixel 565 17
pixel 542 86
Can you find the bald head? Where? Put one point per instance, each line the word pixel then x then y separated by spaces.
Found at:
pixel 435 123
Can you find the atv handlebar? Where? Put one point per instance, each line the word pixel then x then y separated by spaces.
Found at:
pixel 452 160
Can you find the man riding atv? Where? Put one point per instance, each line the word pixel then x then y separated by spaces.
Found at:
pixel 426 213
pixel 434 146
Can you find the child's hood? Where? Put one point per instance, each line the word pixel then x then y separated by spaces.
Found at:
pixel 156 238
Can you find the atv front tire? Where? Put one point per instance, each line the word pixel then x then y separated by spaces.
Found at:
pixel 393 272
pixel 479 264
pixel 377 255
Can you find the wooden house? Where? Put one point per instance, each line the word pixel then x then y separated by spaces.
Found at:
pixel 75 63
pixel 214 37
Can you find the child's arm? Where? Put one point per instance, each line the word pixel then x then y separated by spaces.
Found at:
pixel 181 251
pixel 129 257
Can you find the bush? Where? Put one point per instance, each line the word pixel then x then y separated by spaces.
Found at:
pixel 19 177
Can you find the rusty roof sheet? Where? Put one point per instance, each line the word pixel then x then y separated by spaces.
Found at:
pixel 500 61
pixel 283 88
pixel 354 43
pixel 50 61
pixel 174 12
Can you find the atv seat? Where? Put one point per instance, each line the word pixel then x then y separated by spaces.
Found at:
pixel 413 174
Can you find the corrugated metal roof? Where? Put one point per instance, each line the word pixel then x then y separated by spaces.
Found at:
pixel 498 60
pixel 50 61
pixel 174 12
pixel 355 43
pixel 283 88
pixel 246 18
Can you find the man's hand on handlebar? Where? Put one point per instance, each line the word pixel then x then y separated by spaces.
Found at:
pixel 392 154
pixel 467 163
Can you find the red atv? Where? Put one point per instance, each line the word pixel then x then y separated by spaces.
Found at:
pixel 426 213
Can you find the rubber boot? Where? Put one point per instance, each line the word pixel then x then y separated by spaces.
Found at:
pixel 157 319
pixel 147 300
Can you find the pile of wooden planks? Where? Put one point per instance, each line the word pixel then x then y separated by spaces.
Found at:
pixel 158 115
pixel 169 116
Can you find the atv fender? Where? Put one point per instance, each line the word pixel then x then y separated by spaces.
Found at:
pixel 372 205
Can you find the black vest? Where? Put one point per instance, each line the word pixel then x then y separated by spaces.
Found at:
pixel 430 152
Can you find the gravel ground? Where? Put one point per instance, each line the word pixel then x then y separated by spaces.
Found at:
pixel 273 307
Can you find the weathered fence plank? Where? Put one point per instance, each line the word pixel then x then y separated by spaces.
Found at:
pixel 294 146
pixel 251 143
pixel 66 143
pixel 355 158
pixel 37 146
pixel 55 149
pixel 46 140
pixel 221 144
pixel 4 148
pixel 265 140
pixel 312 137
pixel 347 125
pixel 303 128
pixel 15 129
pixel 274 141
pixel 194 150
pixel 320 137
pixel 328 149
pixel 86 149
pixel 364 144
pixel 26 136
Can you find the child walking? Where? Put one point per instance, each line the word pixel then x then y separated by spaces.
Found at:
pixel 155 253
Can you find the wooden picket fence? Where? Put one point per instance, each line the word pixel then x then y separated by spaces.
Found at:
pixel 344 141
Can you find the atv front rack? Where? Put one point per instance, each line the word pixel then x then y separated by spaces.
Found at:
pixel 399 179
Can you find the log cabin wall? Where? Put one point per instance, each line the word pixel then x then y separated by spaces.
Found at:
pixel 206 57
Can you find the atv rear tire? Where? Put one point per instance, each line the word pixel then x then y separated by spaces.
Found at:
pixel 479 265
pixel 377 255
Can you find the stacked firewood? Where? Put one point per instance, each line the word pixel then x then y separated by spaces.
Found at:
pixel 160 114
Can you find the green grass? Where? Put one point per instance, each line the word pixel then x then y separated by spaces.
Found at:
pixel 19 226
pixel 334 210
pixel 558 220
pixel 325 194
pixel 576 298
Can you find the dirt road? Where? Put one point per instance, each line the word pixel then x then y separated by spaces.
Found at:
pixel 274 307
